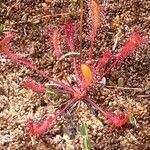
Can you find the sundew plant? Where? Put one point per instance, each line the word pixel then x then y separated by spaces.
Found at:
pixel 86 73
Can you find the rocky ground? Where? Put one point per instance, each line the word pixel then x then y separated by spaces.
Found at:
pixel 32 21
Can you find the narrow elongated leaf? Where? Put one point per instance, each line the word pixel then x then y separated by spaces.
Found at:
pixel 107 55
pixel 134 41
pixel 2 27
pixel 34 86
pixel 4 48
pixel 87 143
pixel 38 128
pixel 70 34
pixel 56 43
pixel 86 139
pixel 83 129
pixel 95 15
pixel 1 81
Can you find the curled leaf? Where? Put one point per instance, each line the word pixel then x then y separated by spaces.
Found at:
pixel 132 119
pixel 4 44
pixel 7 38
pixel 68 55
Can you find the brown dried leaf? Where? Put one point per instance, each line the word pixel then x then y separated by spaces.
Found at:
pixel 3 91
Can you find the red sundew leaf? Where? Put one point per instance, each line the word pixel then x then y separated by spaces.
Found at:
pixel 39 128
pixel 7 39
pixel 134 41
pixel 38 88
pixel 106 56
pixel 95 15
pixel 4 46
pixel 56 43
pixel 70 34
pixel 117 121
pixel 5 49
pixel 23 61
